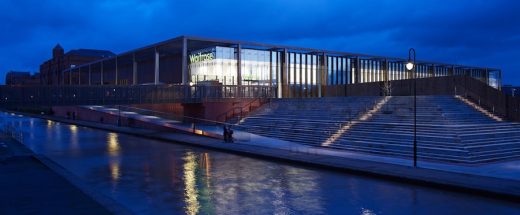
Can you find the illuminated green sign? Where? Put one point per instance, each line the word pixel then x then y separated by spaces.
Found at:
pixel 200 57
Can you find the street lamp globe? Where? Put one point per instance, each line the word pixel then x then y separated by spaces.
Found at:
pixel 409 66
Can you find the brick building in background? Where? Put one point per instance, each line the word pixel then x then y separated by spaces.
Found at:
pixel 51 70
pixel 18 78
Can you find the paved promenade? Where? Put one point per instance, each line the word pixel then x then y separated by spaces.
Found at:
pixel 27 186
pixel 501 179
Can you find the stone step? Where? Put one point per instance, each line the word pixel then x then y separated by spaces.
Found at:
pixel 448 129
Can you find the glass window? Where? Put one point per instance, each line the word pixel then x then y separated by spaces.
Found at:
pixel 297 67
pixel 331 72
pixel 291 68
pixel 314 67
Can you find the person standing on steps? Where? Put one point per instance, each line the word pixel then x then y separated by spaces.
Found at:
pixel 225 133
pixel 230 134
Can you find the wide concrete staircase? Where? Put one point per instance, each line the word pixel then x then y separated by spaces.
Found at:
pixel 448 128
pixel 307 121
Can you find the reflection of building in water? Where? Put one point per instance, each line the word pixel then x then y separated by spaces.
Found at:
pixel 205 164
pixel 205 191
pixel 53 130
pixel 50 124
pixel 232 186
pixel 190 184
pixel 74 138
pixel 198 196
pixel 114 171
pixel 73 129
pixel 113 149
pixel 243 184
pixel 304 184
pixel 113 146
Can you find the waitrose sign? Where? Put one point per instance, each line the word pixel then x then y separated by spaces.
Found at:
pixel 200 57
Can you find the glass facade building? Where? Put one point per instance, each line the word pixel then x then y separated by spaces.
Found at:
pixel 291 71
pixel 301 75
pixel 222 66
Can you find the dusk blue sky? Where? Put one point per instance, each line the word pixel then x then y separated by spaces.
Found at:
pixel 472 32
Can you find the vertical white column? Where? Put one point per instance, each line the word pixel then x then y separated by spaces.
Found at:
pixel 486 76
pixel 319 70
pixel 279 73
pixel 358 71
pixel 134 70
pixel 367 71
pixel 156 68
pixel 184 71
pixel 89 75
pixel 239 65
pixel 117 74
pixel 102 73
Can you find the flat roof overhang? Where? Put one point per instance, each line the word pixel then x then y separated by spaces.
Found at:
pixel 175 45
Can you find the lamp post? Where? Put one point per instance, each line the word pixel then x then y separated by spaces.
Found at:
pixel 410 66
pixel 119 115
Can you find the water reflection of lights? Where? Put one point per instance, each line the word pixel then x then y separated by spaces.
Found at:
pixel 113 144
pixel 365 211
pixel 74 136
pixel 115 172
pixel 114 148
pixel 190 192
pixel 73 129
pixel 205 164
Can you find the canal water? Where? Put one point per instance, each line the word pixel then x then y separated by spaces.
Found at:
pixel 154 177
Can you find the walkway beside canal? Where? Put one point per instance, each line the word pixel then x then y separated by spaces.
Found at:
pixel 493 180
pixel 28 186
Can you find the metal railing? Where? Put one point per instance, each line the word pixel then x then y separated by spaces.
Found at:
pixel 110 95
pixel 489 98
pixel 199 126
pixel 241 111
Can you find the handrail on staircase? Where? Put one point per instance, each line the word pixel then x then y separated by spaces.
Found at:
pixel 225 116
pixel 166 115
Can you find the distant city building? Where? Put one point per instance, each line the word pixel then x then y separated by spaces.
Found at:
pixel 52 70
pixel 18 78
pixel 511 90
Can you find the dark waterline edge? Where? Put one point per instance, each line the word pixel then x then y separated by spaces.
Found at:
pixel 106 201
pixel 148 134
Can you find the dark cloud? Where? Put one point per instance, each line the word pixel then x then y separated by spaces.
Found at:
pixel 478 32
